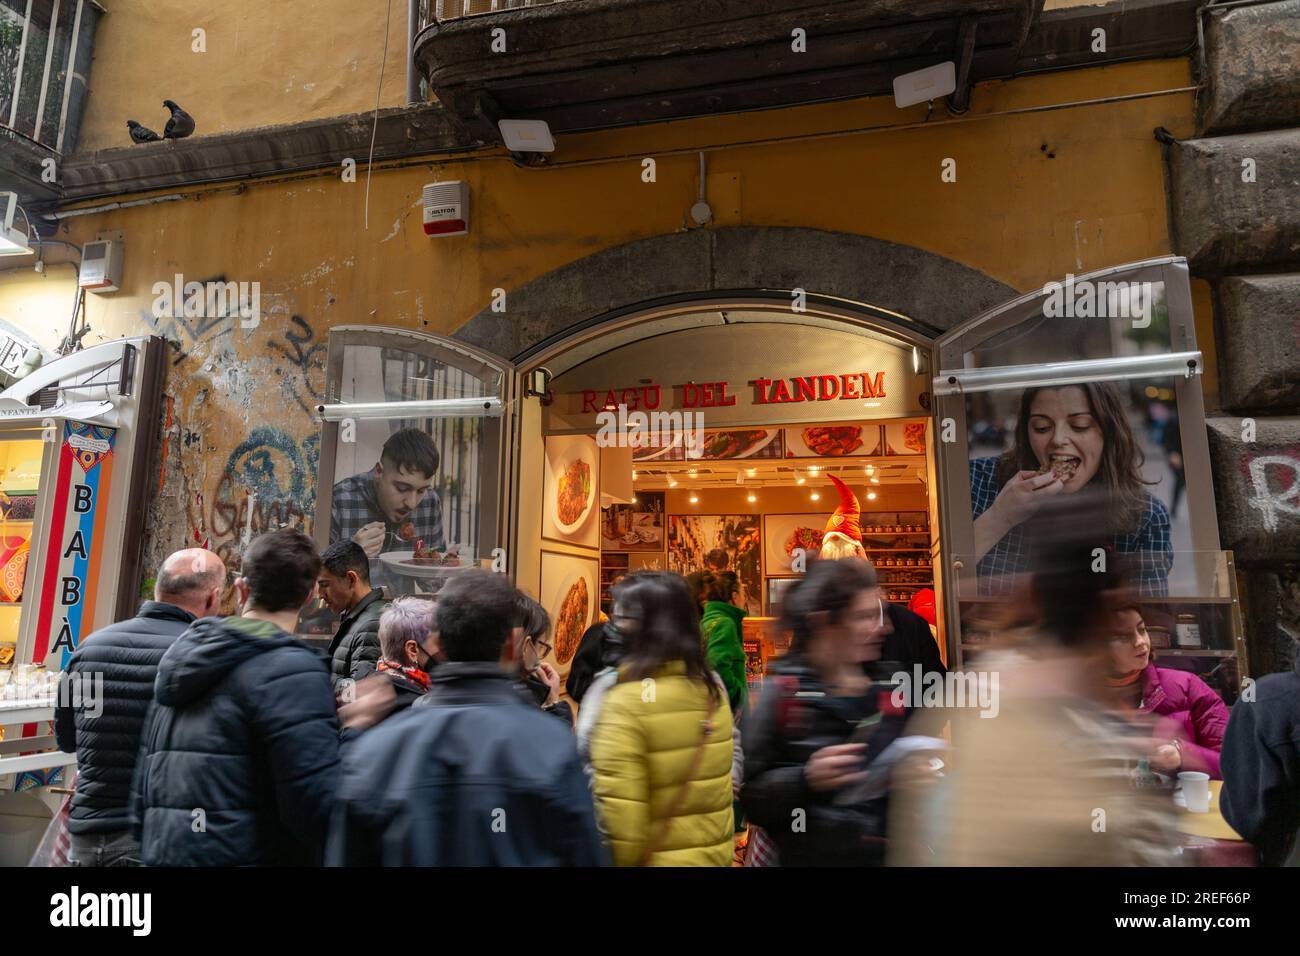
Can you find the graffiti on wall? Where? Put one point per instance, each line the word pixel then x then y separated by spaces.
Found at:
pixel 307 357
pixel 269 482
pixel 182 333
pixel 1275 483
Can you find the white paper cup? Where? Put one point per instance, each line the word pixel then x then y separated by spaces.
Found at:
pixel 1196 790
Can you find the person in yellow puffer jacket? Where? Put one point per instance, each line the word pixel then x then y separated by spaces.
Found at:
pixel 661 748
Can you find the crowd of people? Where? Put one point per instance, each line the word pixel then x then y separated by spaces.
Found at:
pixel 437 732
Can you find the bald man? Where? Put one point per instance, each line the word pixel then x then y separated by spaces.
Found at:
pixel 104 696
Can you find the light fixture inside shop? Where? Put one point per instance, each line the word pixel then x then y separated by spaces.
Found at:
pixel 800 480
pixel 672 482
pixel 13 242
pixel 812 469
pixel 752 498
pixel 815 496
pixel 695 499
pixel 871 496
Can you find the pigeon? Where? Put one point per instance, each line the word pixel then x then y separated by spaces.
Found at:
pixel 141 134
pixel 180 125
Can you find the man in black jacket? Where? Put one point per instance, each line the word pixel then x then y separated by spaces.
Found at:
pixel 345 587
pixel 1260 761
pixel 104 696
pixel 239 764
pixel 473 773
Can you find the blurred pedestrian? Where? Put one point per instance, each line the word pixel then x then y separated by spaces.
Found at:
pixel 818 723
pixel 1056 778
pixel 101 720
pixel 239 764
pixel 541 680
pixel 473 774
pixel 345 589
pixel 661 747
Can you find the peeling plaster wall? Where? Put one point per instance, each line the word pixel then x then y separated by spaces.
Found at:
pixel 266 64
pixel 239 399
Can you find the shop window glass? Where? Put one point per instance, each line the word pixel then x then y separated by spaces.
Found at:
pixel 416 490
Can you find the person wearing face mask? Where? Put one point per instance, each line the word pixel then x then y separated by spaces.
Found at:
pixel 819 721
pixel 472 773
pixel 408 649
pixel 541 680
pixel 1068 439
pixel 1183 719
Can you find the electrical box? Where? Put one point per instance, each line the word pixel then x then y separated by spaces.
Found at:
pixel 101 266
pixel 446 209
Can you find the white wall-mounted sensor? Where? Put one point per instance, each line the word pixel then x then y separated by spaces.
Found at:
pixel 446 209
pixel 928 84
pixel 101 266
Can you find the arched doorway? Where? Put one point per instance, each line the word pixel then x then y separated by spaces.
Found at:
pixel 783 388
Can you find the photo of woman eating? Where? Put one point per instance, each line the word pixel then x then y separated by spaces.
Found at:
pixel 1067 439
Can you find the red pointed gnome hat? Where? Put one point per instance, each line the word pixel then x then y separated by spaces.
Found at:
pixel 847 517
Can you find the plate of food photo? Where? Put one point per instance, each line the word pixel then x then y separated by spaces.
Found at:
pixel 737 442
pixel 572 616
pixel 424 563
pixel 826 441
pixel 574 487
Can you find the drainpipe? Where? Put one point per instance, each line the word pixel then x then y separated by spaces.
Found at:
pixel 412 78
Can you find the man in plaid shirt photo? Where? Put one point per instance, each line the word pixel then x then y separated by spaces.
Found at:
pixel 391 506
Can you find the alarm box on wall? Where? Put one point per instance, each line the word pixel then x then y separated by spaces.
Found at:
pixel 101 266
pixel 446 209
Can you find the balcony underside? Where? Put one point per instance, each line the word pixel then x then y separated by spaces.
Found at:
pixel 594 64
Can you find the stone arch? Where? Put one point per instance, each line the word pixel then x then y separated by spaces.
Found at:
pixel 930 289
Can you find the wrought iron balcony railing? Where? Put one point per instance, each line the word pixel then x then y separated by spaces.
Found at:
pixel 440 11
pixel 45 51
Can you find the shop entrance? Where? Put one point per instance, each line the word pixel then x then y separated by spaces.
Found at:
pixel 722 435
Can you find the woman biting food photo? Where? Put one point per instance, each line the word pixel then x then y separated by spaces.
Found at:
pixel 1068 438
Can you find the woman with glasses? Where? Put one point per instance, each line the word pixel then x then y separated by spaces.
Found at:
pixel 660 748
pixel 540 678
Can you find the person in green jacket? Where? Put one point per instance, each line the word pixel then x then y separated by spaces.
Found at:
pixel 720 625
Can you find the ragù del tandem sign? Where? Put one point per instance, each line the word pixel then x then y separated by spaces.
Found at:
pixel 743 375
pixel 765 391
pixel 816 397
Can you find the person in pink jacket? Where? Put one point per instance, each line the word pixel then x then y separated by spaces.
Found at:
pixel 1189 717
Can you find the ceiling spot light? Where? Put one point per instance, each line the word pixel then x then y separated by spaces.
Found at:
pixel 815 496
pixel 871 496
pixel 800 480
pixel 753 498
pixel 695 499
pixel 672 482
